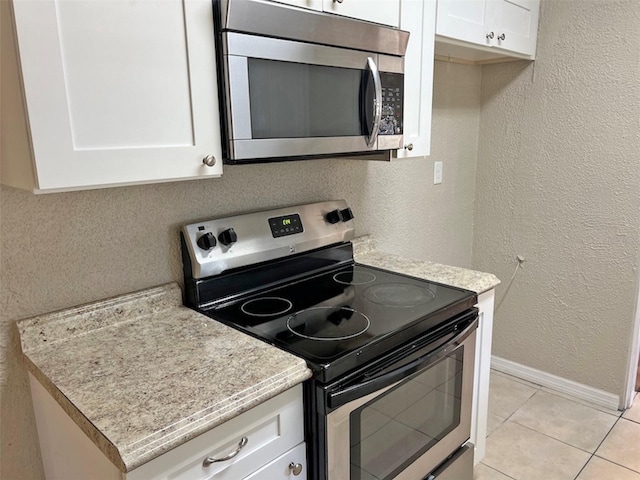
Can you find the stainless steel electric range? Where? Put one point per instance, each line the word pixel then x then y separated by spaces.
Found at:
pixel 392 356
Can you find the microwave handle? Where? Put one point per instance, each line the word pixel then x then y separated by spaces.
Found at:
pixel 346 395
pixel 377 101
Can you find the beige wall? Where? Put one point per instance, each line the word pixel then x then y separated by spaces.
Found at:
pixel 61 250
pixel 559 183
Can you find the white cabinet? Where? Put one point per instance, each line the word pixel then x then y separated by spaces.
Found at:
pixel 386 12
pixel 312 4
pixel 493 27
pixel 114 93
pixel 480 407
pixel 418 17
pixel 274 432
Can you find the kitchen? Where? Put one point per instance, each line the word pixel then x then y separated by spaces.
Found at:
pixel 515 140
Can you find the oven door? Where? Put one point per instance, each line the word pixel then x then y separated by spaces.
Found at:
pixel 285 98
pixel 417 416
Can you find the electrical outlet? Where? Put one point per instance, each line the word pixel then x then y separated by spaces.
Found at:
pixel 437 173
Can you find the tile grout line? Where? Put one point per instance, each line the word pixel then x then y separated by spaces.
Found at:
pixel 599 445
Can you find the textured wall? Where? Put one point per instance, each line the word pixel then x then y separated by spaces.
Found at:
pixel 559 182
pixel 61 250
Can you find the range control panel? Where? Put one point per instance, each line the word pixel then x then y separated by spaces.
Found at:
pixel 220 244
pixel 286 225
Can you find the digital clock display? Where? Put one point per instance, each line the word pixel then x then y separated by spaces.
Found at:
pixel 285 225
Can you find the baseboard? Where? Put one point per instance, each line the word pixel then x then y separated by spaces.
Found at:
pixel 559 384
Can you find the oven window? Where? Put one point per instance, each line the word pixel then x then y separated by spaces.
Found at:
pixel 296 100
pixel 390 432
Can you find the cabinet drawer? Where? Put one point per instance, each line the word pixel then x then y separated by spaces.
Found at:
pixel 271 429
pixel 279 469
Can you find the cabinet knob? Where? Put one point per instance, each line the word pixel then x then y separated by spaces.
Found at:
pixel 296 468
pixel 501 37
pixel 489 35
pixel 409 147
pixel 338 1
pixel 209 460
pixel 209 160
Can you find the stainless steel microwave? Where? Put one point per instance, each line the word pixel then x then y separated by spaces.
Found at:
pixel 297 83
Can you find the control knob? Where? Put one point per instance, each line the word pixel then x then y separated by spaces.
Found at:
pixel 207 241
pixel 228 237
pixel 334 216
pixel 347 214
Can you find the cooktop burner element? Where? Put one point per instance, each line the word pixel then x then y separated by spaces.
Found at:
pixel 354 277
pixel 399 294
pixel 328 323
pixel 266 306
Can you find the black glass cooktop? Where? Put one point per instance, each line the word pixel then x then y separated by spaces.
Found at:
pixel 342 318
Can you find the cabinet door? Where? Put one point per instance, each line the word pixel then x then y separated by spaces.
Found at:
pixel 464 20
pixel 386 12
pixel 515 23
pixel 418 18
pixel 311 4
pixel 119 92
pixel 282 469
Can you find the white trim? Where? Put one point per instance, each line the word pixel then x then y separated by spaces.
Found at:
pixel 634 353
pixel 562 385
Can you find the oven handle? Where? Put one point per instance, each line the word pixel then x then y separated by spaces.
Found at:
pixel 349 394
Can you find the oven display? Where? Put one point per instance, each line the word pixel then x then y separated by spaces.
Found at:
pixel 286 225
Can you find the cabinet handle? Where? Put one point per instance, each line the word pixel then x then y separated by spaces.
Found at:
pixel 296 468
pixel 209 160
pixel 409 147
pixel 489 35
pixel 501 37
pixel 338 1
pixel 209 460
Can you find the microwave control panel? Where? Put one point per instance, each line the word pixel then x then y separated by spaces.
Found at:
pixel 392 103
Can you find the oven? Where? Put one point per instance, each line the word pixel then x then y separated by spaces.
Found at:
pixel 392 355
pixel 402 415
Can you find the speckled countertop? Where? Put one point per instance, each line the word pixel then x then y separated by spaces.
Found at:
pixel 141 374
pixel 365 252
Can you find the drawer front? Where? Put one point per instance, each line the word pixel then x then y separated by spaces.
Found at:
pixel 281 467
pixel 271 429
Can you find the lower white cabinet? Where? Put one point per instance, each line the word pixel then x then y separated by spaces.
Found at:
pixel 269 440
pixel 480 407
pixel 291 465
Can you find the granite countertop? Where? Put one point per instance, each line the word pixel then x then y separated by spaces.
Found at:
pixel 365 252
pixel 141 374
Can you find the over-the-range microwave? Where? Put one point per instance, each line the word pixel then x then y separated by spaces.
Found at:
pixel 296 83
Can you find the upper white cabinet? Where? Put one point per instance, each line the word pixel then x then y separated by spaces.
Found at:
pixel 494 28
pixel 115 92
pixel 419 18
pixel 386 12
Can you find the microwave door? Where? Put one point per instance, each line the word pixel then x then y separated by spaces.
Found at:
pixel 373 106
pixel 291 99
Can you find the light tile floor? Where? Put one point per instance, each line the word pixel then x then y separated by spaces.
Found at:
pixel 535 433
